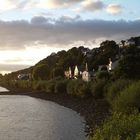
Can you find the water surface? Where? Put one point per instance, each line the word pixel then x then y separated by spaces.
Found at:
pixel 27 118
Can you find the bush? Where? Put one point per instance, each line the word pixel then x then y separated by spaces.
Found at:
pixel 82 89
pixel 97 88
pixel 71 87
pixel 128 99
pixel 50 86
pixel 119 127
pixel 39 85
pixel 25 84
pixel 103 75
pixel 61 86
pixel 78 88
pixel 114 89
pixel 18 84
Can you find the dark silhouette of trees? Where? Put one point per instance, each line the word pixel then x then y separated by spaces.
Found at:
pixel 41 72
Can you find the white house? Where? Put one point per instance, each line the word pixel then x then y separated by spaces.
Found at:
pixel 76 72
pixel 68 73
pixel 24 77
pixel 86 75
pixel 112 65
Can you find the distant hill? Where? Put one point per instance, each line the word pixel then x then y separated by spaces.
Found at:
pixel 57 63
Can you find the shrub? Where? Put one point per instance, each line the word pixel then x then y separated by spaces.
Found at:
pixel 39 85
pixel 71 87
pixel 103 75
pixel 78 88
pixel 50 86
pixel 97 88
pixel 114 89
pixel 61 86
pixel 119 127
pixel 128 99
pixel 82 89
pixel 25 84
pixel 19 84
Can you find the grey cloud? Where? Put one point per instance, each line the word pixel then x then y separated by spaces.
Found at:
pixel 12 67
pixel 92 6
pixel 62 32
pixel 39 20
pixel 63 2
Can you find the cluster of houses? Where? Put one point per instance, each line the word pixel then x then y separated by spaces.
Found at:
pixel 87 75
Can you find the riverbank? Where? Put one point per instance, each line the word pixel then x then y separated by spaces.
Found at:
pixel 93 110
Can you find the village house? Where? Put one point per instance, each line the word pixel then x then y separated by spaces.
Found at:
pixel 76 72
pixel 112 65
pixel 24 77
pixel 68 73
pixel 88 75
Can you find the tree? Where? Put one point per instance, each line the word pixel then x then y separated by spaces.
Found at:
pixel 129 65
pixel 57 72
pixel 41 72
pixel 108 49
pixel 103 75
pixel 123 43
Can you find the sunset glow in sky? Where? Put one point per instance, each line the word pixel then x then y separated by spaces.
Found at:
pixel 30 30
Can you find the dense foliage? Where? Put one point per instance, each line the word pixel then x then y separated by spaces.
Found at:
pixel 129 64
pixel 119 127
pixel 128 99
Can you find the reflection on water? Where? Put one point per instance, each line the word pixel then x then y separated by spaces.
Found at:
pixel 3 89
pixel 27 118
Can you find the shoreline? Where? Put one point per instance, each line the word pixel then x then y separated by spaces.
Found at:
pixel 93 110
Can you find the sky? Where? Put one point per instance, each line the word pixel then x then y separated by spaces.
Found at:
pixel 30 30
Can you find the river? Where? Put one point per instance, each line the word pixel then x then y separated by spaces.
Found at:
pixel 28 118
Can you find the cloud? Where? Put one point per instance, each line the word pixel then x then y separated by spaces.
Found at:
pixel 114 9
pixel 12 67
pixel 90 5
pixel 63 32
pixel 50 4
pixel 60 3
pixel 7 4
pixel 76 5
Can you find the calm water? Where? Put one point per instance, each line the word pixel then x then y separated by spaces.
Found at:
pixel 27 118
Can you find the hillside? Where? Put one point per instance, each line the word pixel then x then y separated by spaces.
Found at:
pixel 55 64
